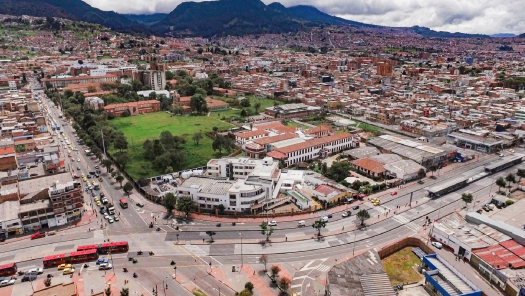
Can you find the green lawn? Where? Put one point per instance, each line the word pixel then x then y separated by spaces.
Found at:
pixel 236 111
pixel 400 267
pixel 149 126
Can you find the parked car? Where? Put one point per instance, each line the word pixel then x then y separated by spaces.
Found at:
pixel 273 223
pixel 325 218
pixel 345 214
pixel 329 216
pixel 355 208
pixel 139 204
pixel 438 245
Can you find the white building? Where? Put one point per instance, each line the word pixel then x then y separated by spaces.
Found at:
pixel 236 183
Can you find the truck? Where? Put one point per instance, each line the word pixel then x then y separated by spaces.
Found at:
pixel 111 209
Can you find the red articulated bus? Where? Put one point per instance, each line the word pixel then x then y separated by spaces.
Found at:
pixel 8 269
pixel 54 260
pixel 87 247
pixel 117 247
pixel 82 256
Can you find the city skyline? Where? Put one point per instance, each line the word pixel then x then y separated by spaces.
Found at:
pixel 480 17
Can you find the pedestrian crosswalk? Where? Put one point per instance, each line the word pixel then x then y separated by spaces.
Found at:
pixel 323 268
pixel 195 250
pixel 406 222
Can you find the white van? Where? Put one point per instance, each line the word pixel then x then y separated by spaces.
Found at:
pixel 301 223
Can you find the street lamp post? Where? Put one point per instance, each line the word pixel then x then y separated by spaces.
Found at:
pixel 353 247
pixel 242 262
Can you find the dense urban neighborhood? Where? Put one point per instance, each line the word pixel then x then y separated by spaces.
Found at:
pixel 339 159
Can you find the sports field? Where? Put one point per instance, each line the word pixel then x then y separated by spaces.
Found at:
pixel 149 126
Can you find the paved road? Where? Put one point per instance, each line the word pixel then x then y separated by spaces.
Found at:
pixel 129 217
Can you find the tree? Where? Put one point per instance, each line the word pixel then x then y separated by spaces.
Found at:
pixel 158 149
pixel 198 104
pixel 167 140
pixel 421 173
pixel 47 282
pixel 432 168
pixel 257 106
pixel 148 150
pixel 501 183
pixel 245 103
pixel 520 173
pixel 219 143
pixel 169 202
pixel 510 178
pixel 285 283
pixel 120 142
pixel 243 113
pixel 467 198
pixel 339 171
pixel 319 224
pixel 264 260
pixel 363 215
pixel 249 286
pixel 196 138
pixel 91 89
pixel 215 129
pixel 221 208
pixel 211 234
pixel 169 170
pixel 274 270
pixel 107 164
pixel 119 178
pixel 266 229
pixel 186 204
pixel 124 292
pixel 127 188
pixel 107 291
pixel 122 159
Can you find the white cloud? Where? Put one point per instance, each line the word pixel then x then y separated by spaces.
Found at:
pixel 469 16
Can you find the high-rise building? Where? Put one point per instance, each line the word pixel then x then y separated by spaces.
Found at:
pixel 155 77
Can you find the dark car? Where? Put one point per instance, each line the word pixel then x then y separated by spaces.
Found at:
pixel 355 208
pixel 29 277
pixel 329 215
pixel 139 204
pixel 102 210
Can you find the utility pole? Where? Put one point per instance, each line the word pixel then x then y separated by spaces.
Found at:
pixel 103 145
pixel 242 264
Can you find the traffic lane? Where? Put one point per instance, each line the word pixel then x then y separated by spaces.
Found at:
pixel 391 231
pixel 48 240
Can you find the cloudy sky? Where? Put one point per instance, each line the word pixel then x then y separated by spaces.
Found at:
pixel 468 16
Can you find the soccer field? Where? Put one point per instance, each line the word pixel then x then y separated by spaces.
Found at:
pixel 149 126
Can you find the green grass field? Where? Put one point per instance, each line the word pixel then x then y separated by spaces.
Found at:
pixel 399 267
pixel 149 126
pixel 236 111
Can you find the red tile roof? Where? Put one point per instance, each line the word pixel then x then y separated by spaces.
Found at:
pixel 275 139
pixel 369 164
pixel 314 142
pixel 251 134
pixel 277 155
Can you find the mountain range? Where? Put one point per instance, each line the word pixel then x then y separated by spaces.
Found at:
pixel 207 18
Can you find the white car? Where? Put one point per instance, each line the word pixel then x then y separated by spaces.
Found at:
pixel 38 270
pixel 273 223
pixel 438 245
pixel 105 266
pixel 325 218
pixel 110 220
pixel 7 282
pixel 78 159
pixel 107 217
pixel 344 215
